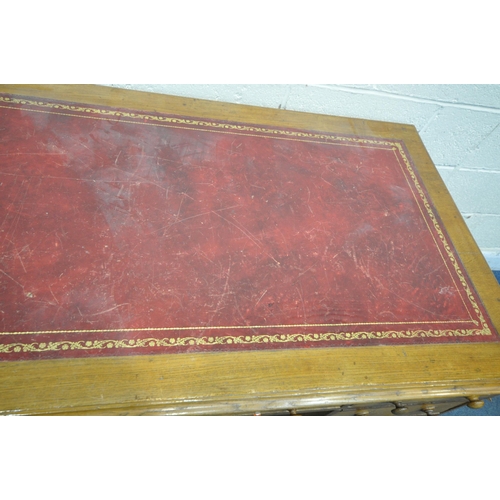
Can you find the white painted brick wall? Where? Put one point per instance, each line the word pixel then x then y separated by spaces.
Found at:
pixel 459 125
pixel 452 133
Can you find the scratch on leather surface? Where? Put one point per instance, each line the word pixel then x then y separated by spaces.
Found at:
pixel 130 233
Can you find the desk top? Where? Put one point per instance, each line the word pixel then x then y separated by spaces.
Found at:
pixel 190 256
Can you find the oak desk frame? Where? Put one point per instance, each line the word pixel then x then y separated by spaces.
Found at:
pixel 265 381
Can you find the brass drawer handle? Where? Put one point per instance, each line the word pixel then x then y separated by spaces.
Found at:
pixel 475 402
pixel 400 409
pixel 362 412
pixel 430 410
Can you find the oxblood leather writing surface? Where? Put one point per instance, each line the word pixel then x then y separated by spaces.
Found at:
pixel 126 233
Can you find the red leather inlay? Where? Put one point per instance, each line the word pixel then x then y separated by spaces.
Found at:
pixel 125 234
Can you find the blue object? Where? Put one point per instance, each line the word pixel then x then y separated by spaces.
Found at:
pixel 491 406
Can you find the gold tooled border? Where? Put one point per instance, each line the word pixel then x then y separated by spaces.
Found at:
pixel 172 121
pixel 442 237
pixel 170 342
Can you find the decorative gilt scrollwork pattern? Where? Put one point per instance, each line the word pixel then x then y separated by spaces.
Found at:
pixel 294 339
pixel 444 241
pixel 171 120
pixel 65 345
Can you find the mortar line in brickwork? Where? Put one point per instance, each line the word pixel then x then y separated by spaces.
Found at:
pixel 423 100
pixel 479 144
pixel 284 100
pixel 478 214
pixel 430 120
pixel 469 169
pixel 482 170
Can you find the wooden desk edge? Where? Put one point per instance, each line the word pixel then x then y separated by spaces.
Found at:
pixel 153 394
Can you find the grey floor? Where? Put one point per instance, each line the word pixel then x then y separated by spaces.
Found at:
pixel 491 406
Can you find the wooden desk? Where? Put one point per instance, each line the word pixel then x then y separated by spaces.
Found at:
pixel 165 255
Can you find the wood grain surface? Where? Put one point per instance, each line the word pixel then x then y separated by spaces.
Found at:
pixel 248 382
